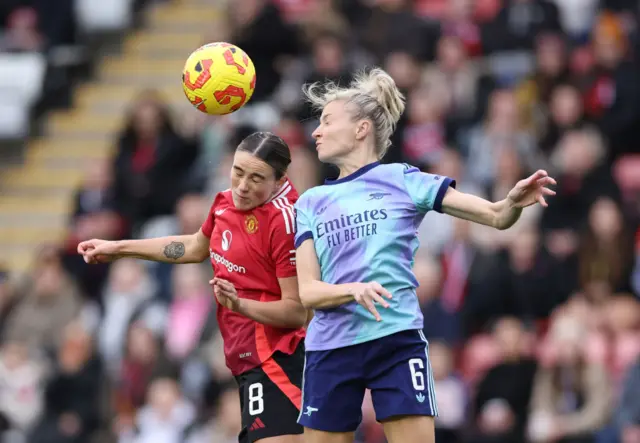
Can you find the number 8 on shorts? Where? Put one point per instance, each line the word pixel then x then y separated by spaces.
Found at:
pixel 256 399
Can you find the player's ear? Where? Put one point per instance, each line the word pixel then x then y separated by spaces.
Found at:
pixel 362 129
pixel 280 182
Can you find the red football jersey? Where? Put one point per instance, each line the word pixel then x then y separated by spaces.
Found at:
pixel 252 249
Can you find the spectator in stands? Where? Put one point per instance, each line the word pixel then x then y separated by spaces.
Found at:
pixel 526 281
pixel 510 168
pixel 328 60
pixel 424 132
pixel 501 130
pixel 606 248
pixel 72 394
pixel 622 333
pixel 258 28
pixel 22 32
pixel 391 26
pixel 225 424
pixel 190 211
pixel 501 403
pixel 440 323
pixel 190 311
pixel 95 215
pixel 437 231
pixel 405 70
pixel 611 96
pixel 21 394
pixel 321 17
pixel 519 22
pixel 127 299
pixel 580 162
pixel 49 302
pixel 165 418
pixel 572 395
pixel 459 20
pixel 551 70
pixel 144 360
pixel 152 162
pixel 452 394
pixel 565 113
pixel 463 286
pixel 463 81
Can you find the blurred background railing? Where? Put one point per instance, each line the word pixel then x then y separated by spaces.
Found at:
pixel 535 331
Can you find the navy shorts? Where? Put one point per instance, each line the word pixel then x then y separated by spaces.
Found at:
pixel 395 368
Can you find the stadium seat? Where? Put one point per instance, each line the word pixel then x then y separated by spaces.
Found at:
pixel 21 81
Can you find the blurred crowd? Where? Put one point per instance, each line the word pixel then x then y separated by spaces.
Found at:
pixel 534 332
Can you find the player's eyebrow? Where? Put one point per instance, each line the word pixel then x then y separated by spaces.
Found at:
pixel 252 174
pixel 325 117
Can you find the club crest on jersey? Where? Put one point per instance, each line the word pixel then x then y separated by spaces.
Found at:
pixel 251 223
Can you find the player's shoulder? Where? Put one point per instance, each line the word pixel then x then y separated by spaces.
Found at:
pixel 310 196
pixel 221 201
pixel 402 168
pixel 279 210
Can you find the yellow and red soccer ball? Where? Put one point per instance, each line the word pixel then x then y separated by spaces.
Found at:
pixel 218 78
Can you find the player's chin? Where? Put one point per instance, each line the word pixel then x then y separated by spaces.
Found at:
pixel 326 156
pixel 243 203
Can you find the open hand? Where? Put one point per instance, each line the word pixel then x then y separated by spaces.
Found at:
pixel 532 190
pixel 98 251
pixel 368 294
pixel 226 294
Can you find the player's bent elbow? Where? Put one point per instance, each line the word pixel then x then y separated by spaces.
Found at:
pixel 306 297
pixel 299 317
pixel 200 256
pixel 199 248
pixel 306 302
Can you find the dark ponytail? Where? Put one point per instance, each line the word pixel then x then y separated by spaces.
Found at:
pixel 269 148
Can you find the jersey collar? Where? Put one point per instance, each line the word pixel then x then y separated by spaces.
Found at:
pixel 354 175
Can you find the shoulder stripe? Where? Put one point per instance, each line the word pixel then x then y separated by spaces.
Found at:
pixel 282 192
pixel 290 209
pixel 288 220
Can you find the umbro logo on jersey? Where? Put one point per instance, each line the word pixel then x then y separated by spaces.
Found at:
pixel 220 211
pixel 378 195
pixel 257 424
pixel 420 398
pixel 226 240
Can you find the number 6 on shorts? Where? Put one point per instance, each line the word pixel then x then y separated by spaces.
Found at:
pixel 256 400
pixel 416 366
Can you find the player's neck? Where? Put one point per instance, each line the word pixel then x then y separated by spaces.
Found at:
pixel 356 161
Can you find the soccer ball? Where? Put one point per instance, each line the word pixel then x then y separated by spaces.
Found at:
pixel 218 78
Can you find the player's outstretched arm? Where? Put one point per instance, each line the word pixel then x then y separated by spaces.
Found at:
pixel 504 213
pixel 316 294
pixel 174 249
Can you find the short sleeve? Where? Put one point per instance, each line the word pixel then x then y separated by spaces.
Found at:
pixel 283 252
pixel 426 190
pixel 303 226
pixel 209 223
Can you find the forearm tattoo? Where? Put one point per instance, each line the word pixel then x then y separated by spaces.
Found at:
pixel 174 250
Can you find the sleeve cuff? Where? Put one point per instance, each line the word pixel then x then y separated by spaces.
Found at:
pixel 287 273
pixel 302 237
pixel 446 183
